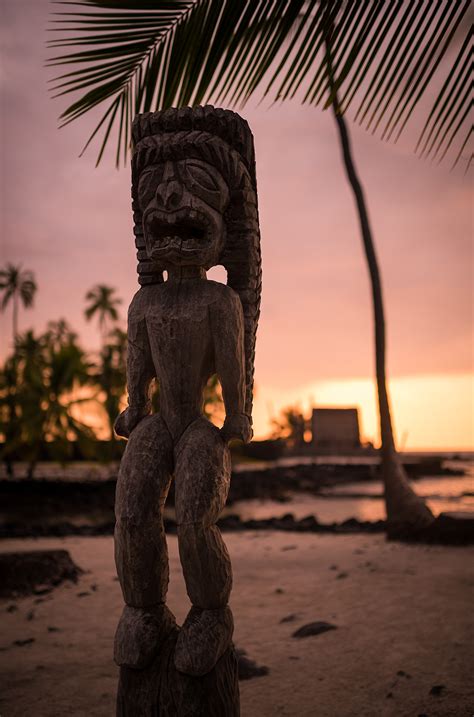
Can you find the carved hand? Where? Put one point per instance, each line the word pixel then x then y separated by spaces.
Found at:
pixel 128 419
pixel 237 426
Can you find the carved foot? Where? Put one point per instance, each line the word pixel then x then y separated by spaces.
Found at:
pixel 203 639
pixel 139 634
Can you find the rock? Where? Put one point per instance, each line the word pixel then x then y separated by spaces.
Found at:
pixel 402 673
pixel 313 628
pixel 289 618
pixel 437 690
pixel 35 572
pixel 248 668
pixel 22 643
pixel 455 528
pixel 309 524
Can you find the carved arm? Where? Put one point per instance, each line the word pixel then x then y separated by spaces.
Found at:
pixel 227 323
pixel 140 373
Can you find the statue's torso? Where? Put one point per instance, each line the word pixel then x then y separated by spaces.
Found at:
pixel 178 320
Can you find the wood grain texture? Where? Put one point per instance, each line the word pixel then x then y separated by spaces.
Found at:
pixel 161 691
pixel 141 555
pixel 203 639
pixel 140 634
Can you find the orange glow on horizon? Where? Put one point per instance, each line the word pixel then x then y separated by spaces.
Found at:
pixel 430 412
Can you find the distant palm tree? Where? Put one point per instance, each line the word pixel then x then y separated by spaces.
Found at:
pixel 38 394
pixel 17 285
pixel 102 303
pixel 59 333
pixel 290 426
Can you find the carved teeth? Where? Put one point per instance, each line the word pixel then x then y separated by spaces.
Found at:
pixel 169 238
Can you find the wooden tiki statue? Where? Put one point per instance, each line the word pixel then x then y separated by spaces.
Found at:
pixel 194 206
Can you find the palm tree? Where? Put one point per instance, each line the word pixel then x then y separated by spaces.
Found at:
pixel 407 513
pixel 59 333
pixel 21 398
pixel 104 304
pixel 290 426
pixel 17 285
pixel 38 393
pixel 146 55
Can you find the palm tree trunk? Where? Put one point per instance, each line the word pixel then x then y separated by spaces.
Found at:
pixel 15 316
pixel 407 513
pixel 103 331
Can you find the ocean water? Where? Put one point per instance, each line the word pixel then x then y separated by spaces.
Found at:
pixel 364 500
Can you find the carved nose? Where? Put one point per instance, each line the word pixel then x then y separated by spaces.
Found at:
pixel 169 194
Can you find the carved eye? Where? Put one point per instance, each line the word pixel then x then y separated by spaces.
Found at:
pixel 202 177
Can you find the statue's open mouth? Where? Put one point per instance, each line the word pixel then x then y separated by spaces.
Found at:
pixel 185 231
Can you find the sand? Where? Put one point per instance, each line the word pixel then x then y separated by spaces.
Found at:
pixel 403 613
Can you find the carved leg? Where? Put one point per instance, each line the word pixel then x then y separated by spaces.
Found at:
pixel 202 473
pixel 141 555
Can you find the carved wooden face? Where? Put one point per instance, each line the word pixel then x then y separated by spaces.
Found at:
pixel 183 204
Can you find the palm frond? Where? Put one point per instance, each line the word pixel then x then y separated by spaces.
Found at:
pixel 27 292
pixel 6 298
pixel 90 311
pixel 448 102
pixel 9 276
pixel 144 55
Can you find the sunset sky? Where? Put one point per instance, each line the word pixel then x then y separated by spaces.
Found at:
pixel 71 224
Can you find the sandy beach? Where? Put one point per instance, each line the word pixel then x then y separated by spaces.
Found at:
pixel 403 644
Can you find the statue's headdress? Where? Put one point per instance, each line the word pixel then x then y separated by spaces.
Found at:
pixel 223 139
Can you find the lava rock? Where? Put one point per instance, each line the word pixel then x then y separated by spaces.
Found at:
pixel 313 628
pixel 22 643
pixel 35 572
pixel 248 669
